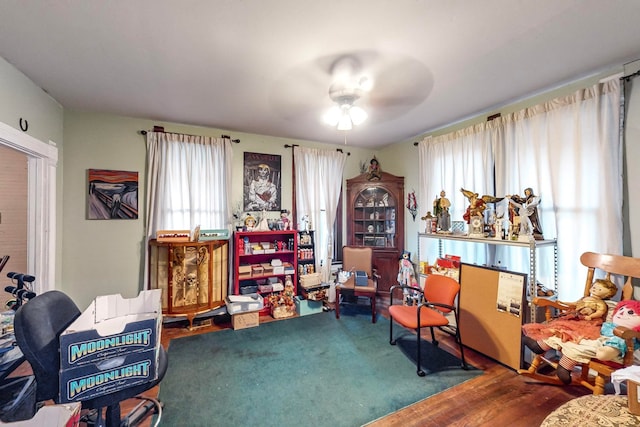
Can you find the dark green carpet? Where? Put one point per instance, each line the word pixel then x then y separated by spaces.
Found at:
pixel 313 371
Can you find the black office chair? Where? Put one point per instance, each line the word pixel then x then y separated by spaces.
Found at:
pixel 38 325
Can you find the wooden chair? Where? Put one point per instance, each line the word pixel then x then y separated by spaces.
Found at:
pixel 434 302
pixel 595 374
pixel 358 259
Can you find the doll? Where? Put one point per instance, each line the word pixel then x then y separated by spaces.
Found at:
pixel 584 322
pixel 407 277
pixel 606 347
pixel 284 217
pixel 627 314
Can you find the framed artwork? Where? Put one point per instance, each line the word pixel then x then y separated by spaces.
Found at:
pixel 112 194
pixel 261 182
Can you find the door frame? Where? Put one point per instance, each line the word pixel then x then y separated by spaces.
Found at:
pixel 41 225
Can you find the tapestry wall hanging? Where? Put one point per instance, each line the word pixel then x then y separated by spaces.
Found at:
pixel 261 182
pixel 112 194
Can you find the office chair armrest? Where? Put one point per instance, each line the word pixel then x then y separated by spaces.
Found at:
pixel 436 305
pixel 403 288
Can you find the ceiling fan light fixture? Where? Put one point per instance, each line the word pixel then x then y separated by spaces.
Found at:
pixel 358 115
pixel 332 117
pixel 345 122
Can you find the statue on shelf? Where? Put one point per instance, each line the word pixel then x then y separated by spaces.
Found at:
pixel 263 225
pixel 527 207
pixel 431 220
pixel 284 217
pixel 476 205
pixel 441 207
pixel 373 174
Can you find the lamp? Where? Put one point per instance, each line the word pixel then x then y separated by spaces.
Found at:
pixel 345 115
pixel 345 93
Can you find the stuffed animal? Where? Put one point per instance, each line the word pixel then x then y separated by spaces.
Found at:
pixel 627 314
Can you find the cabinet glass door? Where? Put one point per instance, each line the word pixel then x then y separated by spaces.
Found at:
pixel 374 219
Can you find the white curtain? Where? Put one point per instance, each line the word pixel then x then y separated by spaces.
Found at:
pixel 569 148
pixel 318 175
pixel 188 181
pixel 569 151
pixel 462 159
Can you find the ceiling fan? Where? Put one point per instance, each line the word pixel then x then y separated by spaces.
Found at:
pixel 383 85
pixel 349 85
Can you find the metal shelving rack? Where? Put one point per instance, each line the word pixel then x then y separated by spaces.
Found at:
pixel 532 246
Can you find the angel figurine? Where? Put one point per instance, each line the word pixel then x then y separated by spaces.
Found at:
pixel 477 204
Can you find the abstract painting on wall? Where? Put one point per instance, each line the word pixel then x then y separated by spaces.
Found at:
pixel 112 194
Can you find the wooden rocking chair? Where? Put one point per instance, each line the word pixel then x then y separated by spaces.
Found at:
pixel 595 374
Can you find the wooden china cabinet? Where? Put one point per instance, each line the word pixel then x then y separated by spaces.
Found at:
pixel 375 218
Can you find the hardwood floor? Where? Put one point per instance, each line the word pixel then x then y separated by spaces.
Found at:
pixel 499 397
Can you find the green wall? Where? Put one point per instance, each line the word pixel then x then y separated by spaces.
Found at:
pixel 103 257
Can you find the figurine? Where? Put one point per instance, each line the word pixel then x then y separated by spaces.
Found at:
pixel 250 222
pixel 374 170
pixel 431 221
pixel 305 223
pixel 407 277
pixel 441 207
pixel 476 205
pixel 263 225
pixel 528 211
pixel 284 217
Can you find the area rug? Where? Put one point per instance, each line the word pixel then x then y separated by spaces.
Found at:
pixel 313 370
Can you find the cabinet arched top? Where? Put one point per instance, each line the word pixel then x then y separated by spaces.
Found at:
pixel 385 178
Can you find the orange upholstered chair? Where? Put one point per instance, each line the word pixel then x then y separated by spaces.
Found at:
pixel 436 300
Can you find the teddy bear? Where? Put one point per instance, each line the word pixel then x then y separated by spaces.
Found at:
pixel 606 347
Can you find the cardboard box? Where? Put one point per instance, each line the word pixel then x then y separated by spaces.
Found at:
pixel 305 307
pixel 107 376
pixel 633 395
pixel 112 326
pixel 244 303
pixel 219 234
pixel 245 320
pixel 173 235
pixel 61 415
pixel 112 345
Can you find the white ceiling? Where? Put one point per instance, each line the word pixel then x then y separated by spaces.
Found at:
pixel 263 66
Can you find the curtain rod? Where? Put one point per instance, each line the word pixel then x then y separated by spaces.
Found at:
pixel 630 76
pixel 296 145
pixel 161 129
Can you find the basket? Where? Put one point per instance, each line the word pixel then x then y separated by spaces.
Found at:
pixel 283 311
